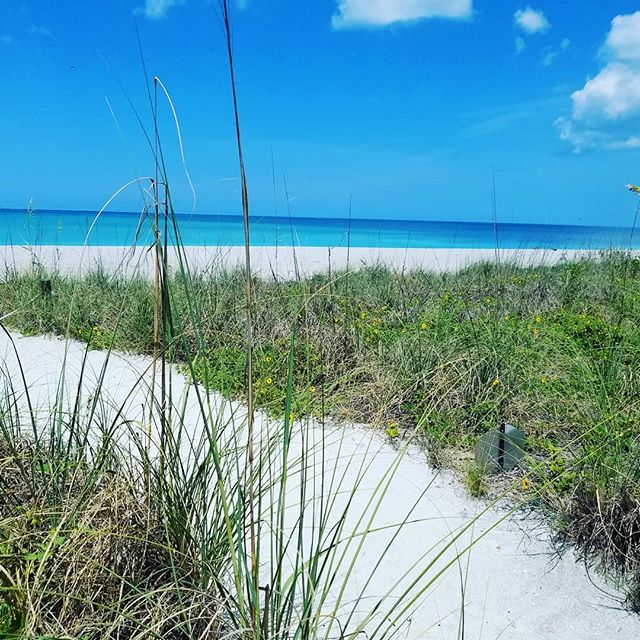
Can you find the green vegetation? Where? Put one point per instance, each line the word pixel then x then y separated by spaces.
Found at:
pixel 85 554
pixel 554 350
pixel 476 481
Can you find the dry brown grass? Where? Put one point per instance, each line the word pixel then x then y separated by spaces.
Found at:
pixel 91 560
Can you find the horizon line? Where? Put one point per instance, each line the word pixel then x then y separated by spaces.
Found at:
pixel 308 218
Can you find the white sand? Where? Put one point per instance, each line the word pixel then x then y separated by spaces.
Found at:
pixel 282 262
pixel 517 587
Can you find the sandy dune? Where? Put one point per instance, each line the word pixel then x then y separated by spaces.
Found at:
pixel 283 262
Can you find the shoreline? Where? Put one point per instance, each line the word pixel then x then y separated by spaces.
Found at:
pixel 277 262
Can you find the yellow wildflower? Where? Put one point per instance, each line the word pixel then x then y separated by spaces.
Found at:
pixel 496 382
pixel 312 389
pixel 423 326
pixel 269 381
pixel 525 484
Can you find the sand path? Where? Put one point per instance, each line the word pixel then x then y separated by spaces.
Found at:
pixel 516 585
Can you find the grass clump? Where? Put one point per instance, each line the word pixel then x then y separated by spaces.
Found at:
pixel 85 551
pixel 476 481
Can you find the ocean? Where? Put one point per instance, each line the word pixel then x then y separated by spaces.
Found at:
pixel 69 228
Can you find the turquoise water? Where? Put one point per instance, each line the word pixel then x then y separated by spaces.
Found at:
pixel 69 228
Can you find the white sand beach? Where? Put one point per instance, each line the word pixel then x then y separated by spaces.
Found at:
pixel 515 583
pixel 280 262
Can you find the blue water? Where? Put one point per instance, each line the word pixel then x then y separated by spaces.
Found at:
pixel 69 228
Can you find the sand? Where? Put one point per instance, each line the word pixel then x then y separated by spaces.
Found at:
pixel 282 262
pixel 517 586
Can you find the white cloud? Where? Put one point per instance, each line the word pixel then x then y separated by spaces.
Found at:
pixel 613 94
pixel 586 139
pixel 623 41
pixel 551 53
pixel 380 13
pixel 531 21
pixel 606 110
pixel 158 9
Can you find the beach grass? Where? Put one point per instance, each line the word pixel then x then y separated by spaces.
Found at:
pixel 554 350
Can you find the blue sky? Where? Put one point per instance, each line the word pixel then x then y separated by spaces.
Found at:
pixel 408 106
